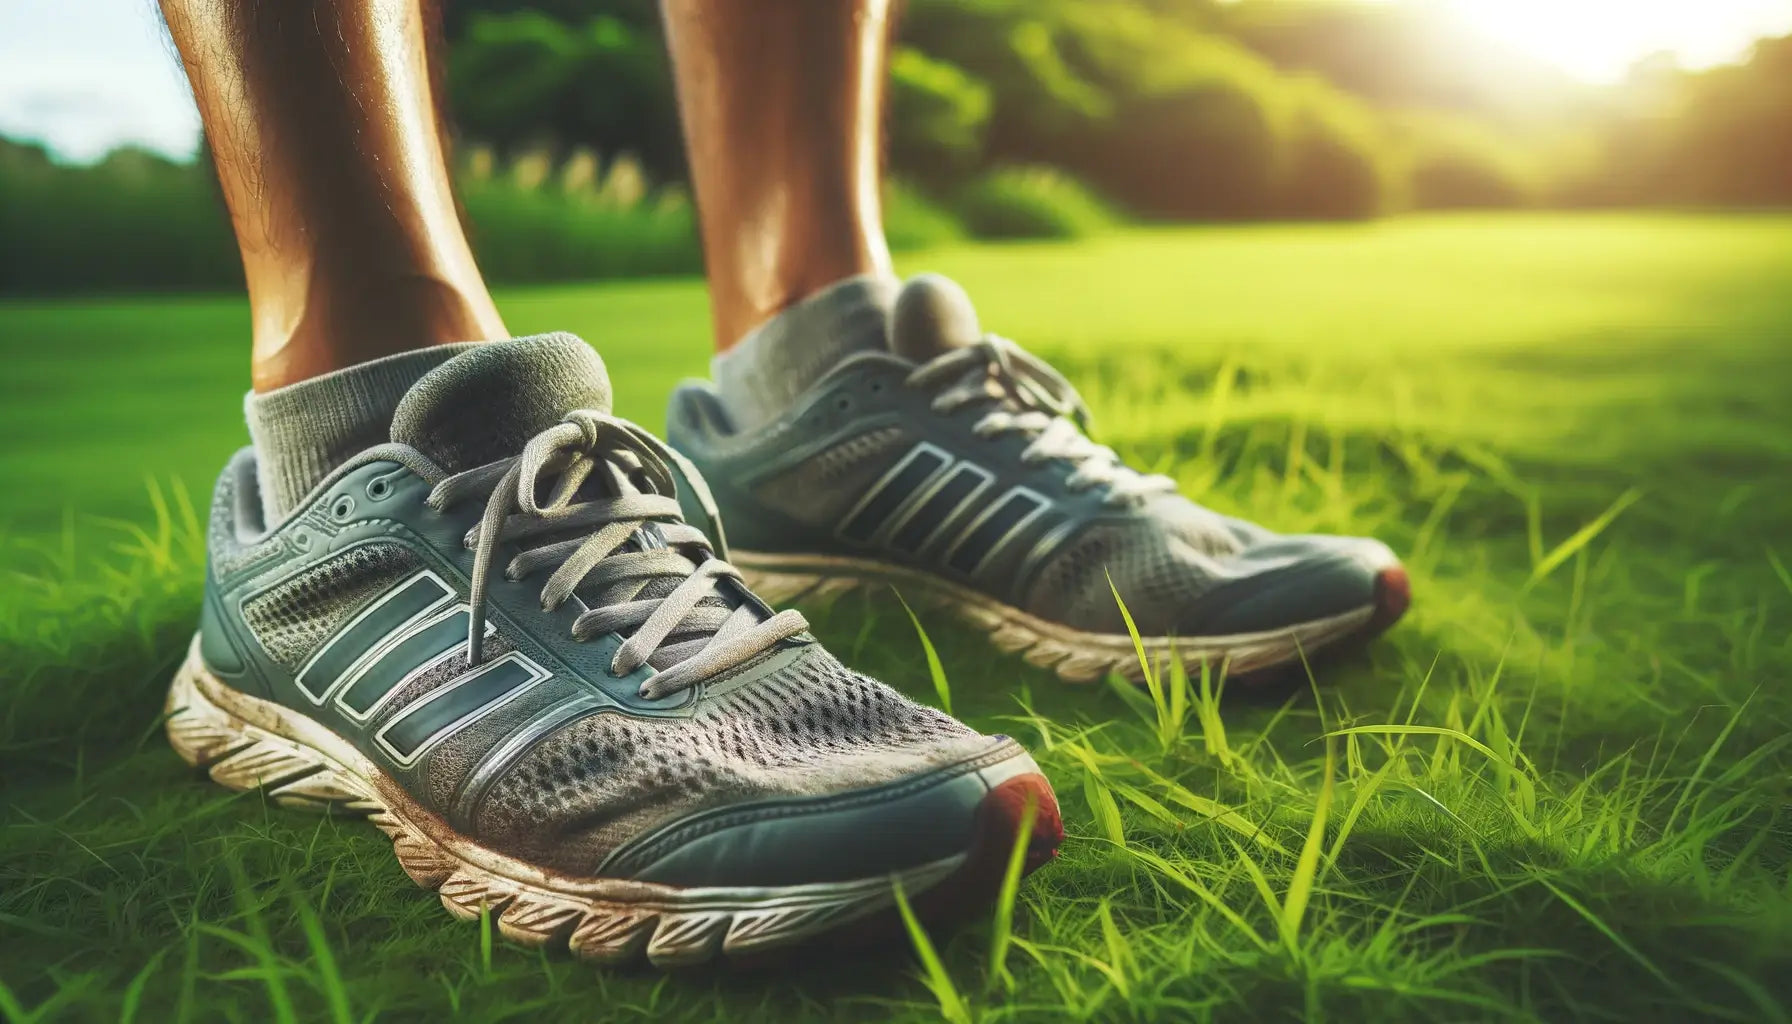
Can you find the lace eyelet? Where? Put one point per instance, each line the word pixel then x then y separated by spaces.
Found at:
pixel 342 508
pixel 842 403
pixel 379 488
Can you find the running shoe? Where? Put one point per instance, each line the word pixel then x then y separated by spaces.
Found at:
pixel 498 639
pixel 954 466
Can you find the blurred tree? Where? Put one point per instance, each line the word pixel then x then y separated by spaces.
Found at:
pixel 938 116
pixel 1455 163
pixel 529 79
pixel 1729 133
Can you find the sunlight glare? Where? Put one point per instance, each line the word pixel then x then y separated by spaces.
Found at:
pixel 1598 40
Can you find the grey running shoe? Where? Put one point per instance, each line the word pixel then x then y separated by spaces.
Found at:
pixel 953 465
pixel 497 638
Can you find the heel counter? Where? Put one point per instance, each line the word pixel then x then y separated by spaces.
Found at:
pixel 224 647
pixel 216 648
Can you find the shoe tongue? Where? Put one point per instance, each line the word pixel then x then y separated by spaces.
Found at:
pixel 932 316
pixel 486 403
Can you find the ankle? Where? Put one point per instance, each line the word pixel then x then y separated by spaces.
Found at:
pixel 336 325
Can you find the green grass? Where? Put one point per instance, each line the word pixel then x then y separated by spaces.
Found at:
pixel 1559 790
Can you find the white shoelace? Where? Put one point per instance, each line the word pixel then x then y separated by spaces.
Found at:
pixel 1035 401
pixel 567 454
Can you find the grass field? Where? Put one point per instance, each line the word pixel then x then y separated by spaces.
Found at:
pixel 1558 790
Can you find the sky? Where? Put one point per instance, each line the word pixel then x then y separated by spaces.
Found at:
pixel 84 76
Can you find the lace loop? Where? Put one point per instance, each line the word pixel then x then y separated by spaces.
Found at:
pixel 1034 400
pixel 641 508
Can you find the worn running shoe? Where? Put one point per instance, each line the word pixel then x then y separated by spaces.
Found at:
pixel 953 465
pixel 498 639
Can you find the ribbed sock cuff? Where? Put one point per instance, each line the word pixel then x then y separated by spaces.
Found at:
pixel 765 372
pixel 303 431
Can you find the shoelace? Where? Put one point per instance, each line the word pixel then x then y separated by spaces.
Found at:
pixel 1052 415
pixel 567 454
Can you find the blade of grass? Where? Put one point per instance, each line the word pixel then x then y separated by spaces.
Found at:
pixel 329 977
pixel 1306 867
pixel 1138 645
pixel 133 993
pixel 938 671
pixel 1779 569
pixel 1119 952
pixel 1002 930
pixel 1102 805
pixel 485 939
pixel 1704 763
pixel 1201 892
pixel 1177 793
pixel 1134 698
pixel 1260 881
pixel 952 1005
pixel 1582 537
pixel 1217 402
pixel 10 1007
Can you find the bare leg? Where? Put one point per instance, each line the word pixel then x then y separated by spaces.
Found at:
pixel 329 147
pixel 781 106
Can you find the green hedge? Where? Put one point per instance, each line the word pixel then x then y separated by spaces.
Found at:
pixel 136 221
pixel 133 221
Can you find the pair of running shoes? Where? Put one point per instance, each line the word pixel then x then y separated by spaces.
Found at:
pixel 515 638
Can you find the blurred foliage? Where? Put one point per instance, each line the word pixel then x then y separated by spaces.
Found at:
pixel 915 220
pixel 1459 163
pixel 938 116
pixel 1030 202
pixel 1719 137
pixel 138 221
pixel 133 220
pixel 538 220
pixel 1186 108
pixel 1163 109
pixel 525 79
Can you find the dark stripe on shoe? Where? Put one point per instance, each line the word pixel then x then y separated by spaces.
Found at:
pixel 423 645
pixel 939 509
pixel 895 489
pixel 404 603
pixel 448 709
pixel 1000 524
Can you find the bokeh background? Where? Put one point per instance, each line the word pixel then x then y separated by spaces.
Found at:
pixel 1009 118
pixel 1504 283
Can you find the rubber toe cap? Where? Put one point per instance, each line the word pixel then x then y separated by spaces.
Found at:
pixel 1293 580
pixel 864 833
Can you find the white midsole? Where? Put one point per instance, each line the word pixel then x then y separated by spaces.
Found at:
pixel 1076 655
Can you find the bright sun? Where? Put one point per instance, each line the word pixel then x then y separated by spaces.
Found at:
pixel 1597 40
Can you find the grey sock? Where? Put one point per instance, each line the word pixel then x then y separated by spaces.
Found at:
pixel 759 377
pixel 303 431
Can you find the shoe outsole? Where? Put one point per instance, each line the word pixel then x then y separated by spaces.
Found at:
pixel 245 743
pixel 1077 656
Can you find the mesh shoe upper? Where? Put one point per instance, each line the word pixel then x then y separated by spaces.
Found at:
pixel 811 728
pixel 957 453
pixel 505 717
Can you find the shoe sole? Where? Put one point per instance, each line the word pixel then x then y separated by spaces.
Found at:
pixel 1075 655
pixel 246 743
